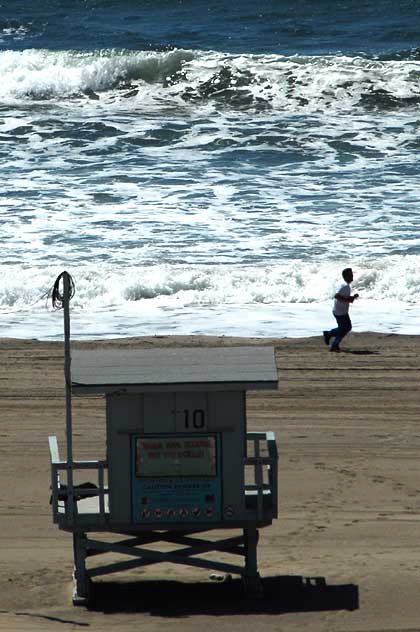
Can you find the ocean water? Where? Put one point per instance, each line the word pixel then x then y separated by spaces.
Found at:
pixel 209 167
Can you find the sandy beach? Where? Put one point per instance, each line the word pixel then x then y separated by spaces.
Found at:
pixel 344 554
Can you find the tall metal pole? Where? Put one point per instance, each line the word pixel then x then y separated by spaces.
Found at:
pixel 67 374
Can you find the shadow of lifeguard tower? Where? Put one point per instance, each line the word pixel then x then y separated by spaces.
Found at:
pixel 180 461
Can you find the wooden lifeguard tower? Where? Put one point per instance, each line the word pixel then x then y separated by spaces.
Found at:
pixel 179 459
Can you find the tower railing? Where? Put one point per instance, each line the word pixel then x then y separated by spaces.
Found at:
pixel 261 470
pixel 65 494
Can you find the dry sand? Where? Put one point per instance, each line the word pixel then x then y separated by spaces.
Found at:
pixel 348 432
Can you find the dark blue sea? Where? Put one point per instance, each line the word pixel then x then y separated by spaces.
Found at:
pixel 209 167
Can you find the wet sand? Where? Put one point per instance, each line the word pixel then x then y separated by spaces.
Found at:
pixel 344 554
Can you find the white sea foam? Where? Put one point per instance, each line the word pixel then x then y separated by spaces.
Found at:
pixel 13 33
pixel 211 299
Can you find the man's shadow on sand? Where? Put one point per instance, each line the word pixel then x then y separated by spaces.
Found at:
pixel 166 598
pixel 360 351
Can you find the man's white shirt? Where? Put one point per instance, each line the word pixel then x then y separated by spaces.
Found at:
pixel 341 307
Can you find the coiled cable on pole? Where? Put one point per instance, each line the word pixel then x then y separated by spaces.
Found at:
pixel 57 295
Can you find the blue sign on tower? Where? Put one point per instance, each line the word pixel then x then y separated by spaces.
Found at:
pixel 176 478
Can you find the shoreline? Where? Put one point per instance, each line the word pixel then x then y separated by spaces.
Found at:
pixel 205 337
pixel 285 320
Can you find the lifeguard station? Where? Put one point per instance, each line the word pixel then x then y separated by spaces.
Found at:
pixel 179 459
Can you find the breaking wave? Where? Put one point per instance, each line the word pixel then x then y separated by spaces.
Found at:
pixel 170 286
pixel 42 74
pixel 247 82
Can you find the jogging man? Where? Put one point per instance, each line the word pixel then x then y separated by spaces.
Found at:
pixel 342 300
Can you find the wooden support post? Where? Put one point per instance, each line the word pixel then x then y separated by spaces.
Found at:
pixel 81 581
pixel 251 579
